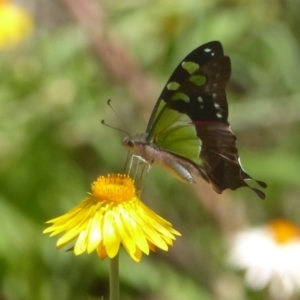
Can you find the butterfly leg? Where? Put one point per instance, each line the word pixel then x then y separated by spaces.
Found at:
pixel 140 161
pixel 150 166
pixel 142 172
pixel 139 158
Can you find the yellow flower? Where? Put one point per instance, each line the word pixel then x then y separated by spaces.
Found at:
pixel 113 215
pixel 15 24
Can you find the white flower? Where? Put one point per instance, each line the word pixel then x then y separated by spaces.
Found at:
pixel 269 255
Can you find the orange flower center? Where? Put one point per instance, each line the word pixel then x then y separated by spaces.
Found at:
pixel 284 231
pixel 115 188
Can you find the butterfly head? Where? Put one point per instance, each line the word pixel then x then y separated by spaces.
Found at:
pixel 128 142
pixel 135 144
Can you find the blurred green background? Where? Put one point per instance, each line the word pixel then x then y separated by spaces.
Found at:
pixel 53 92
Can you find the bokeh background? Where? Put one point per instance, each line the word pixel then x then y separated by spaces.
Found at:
pixel 54 85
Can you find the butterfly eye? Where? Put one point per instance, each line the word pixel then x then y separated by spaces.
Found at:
pixel 130 144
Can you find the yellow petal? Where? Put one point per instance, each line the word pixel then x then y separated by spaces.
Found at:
pixel 95 233
pixel 101 251
pixel 137 233
pixel 80 245
pixel 67 237
pixel 111 240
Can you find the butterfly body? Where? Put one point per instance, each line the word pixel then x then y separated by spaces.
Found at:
pixel 182 169
pixel 188 132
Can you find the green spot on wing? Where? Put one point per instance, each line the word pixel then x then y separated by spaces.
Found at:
pixel 173 86
pixel 190 66
pixel 181 96
pixel 198 80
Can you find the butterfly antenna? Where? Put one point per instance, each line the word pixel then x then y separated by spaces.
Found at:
pixel 115 128
pixel 118 116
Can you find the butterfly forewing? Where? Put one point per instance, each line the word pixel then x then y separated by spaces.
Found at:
pixel 190 118
pixel 196 87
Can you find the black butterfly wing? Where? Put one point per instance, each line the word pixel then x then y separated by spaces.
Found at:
pixel 195 95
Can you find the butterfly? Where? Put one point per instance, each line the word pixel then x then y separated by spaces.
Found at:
pixel 188 132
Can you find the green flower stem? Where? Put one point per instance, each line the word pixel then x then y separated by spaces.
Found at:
pixel 114 278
